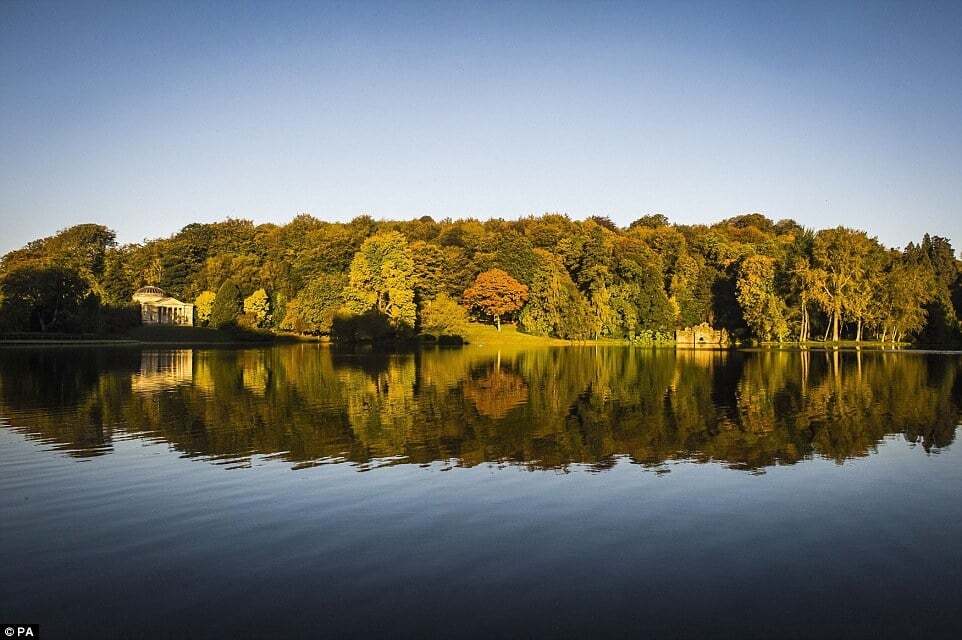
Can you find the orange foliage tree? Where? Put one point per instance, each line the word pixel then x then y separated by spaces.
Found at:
pixel 496 294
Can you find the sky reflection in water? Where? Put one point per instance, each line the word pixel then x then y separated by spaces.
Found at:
pixel 476 516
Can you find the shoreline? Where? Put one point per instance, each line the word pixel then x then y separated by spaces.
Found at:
pixel 477 336
pixel 546 343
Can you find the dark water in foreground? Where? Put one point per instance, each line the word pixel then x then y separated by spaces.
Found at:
pixel 565 493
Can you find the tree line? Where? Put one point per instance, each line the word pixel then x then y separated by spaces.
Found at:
pixel 554 276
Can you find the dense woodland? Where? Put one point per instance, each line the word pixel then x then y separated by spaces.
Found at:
pixel 554 276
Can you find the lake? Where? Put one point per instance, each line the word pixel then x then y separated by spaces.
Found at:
pixel 564 492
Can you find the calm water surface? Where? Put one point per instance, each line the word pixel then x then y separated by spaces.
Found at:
pixel 558 492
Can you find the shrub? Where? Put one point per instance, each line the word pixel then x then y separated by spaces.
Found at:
pixel 366 327
pixel 444 317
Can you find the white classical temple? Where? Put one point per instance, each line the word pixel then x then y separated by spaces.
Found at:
pixel 156 307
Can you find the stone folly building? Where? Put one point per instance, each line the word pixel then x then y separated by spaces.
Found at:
pixel 156 307
pixel 701 335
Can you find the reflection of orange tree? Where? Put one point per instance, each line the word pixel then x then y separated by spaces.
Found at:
pixel 543 408
pixel 497 393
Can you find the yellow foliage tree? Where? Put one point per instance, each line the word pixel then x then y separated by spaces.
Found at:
pixel 382 279
pixel 203 305
pixel 258 306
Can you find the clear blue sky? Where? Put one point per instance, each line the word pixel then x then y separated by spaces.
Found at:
pixel 148 116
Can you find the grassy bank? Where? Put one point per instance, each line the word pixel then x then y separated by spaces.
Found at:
pixel 486 335
pixel 477 335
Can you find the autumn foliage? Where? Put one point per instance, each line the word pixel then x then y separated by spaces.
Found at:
pixel 556 277
pixel 496 294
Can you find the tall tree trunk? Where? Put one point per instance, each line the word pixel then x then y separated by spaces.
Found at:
pixel 835 314
pixel 858 331
pixel 497 321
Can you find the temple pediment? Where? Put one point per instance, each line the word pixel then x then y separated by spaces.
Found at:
pixel 156 307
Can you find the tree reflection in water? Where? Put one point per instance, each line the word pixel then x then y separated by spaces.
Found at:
pixel 546 409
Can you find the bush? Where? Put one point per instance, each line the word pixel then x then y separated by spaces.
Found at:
pixel 366 327
pixel 648 337
pixel 444 317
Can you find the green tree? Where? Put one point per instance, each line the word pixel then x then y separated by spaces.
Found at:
pixel 227 305
pixel 44 298
pixel 326 249
pixel 937 257
pixel 545 232
pixel 900 308
pixel 690 309
pixel 808 285
pixel 860 305
pixel 117 281
pixel 640 301
pixel 243 269
pixel 440 270
pixel 555 305
pixel 314 308
pixel 382 279
pixel 82 249
pixel 652 221
pixel 841 254
pixel 510 252
pixel 762 309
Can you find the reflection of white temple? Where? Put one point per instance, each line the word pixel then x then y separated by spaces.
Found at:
pixel 161 370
